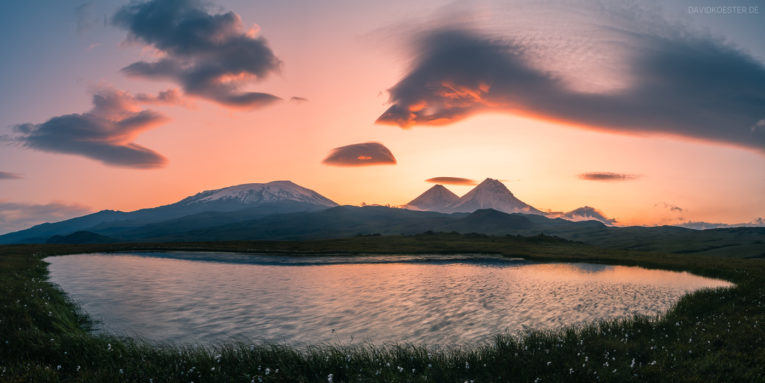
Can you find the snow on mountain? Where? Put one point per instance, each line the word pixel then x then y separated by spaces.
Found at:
pixel 438 198
pixel 587 213
pixel 492 194
pixel 260 193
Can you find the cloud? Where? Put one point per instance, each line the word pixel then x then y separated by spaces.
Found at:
pixel 670 207
pixel 86 20
pixel 369 153
pixel 209 55
pixel 9 176
pixel 676 209
pixel 607 176
pixel 685 84
pixel 587 213
pixel 760 125
pixel 700 225
pixel 298 99
pixel 17 216
pixel 170 96
pixel 451 181
pixel 105 133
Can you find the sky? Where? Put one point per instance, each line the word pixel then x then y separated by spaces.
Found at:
pixel 653 112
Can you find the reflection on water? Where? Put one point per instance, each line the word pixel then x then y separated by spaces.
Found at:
pixel 431 300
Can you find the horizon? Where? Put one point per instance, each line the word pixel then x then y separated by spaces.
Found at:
pixel 582 213
pixel 111 106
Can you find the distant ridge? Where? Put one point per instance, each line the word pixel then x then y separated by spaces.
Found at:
pixel 437 198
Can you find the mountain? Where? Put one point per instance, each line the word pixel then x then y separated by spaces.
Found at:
pixel 438 198
pixel 587 213
pixel 226 205
pixel 492 194
pixel 80 237
pixel 490 221
pixel 247 195
pixel 348 221
pixel 41 233
pixel 336 222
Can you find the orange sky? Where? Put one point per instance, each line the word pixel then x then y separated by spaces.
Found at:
pixel 343 63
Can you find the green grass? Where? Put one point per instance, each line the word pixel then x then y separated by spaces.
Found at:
pixel 711 335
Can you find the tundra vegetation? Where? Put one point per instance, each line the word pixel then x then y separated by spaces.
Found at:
pixel 710 335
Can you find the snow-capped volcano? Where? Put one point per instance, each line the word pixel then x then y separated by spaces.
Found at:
pixel 230 204
pixel 261 193
pixel 492 194
pixel 489 194
pixel 438 198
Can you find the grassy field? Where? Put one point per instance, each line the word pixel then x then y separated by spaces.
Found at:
pixel 710 336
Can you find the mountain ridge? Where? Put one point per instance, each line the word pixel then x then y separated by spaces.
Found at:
pixel 489 194
pixel 253 199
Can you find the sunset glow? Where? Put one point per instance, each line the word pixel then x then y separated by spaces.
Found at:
pixel 569 105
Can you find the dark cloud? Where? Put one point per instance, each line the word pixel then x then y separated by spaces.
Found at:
pixel 607 176
pixel 210 55
pixel 86 20
pixel 685 85
pixel 451 181
pixel 9 176
pixel 670 207
pixel 369 153
pixel 170 96
pixel 105 133
pixel 17 216
pixel 298 99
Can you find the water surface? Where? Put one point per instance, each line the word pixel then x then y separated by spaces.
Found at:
pixel 213 298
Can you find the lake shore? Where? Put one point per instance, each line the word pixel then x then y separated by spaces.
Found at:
pixel 711 335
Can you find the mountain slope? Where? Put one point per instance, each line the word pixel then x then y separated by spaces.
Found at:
pixel 347 221
pixel 490 221
pixel 244 202
pixel 336 222
pixel 256 194
pixel 492 194
pixel 80 237
pixel 437 198
pixel 40 233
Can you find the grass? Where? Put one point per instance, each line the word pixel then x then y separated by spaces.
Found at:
pixel 711 335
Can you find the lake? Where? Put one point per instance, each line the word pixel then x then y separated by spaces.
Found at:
pixel 433 300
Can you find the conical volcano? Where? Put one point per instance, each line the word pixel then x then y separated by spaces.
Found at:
pixel 438 198
pixel 492 194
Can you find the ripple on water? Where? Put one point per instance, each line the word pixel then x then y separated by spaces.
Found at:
pixel 436 300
